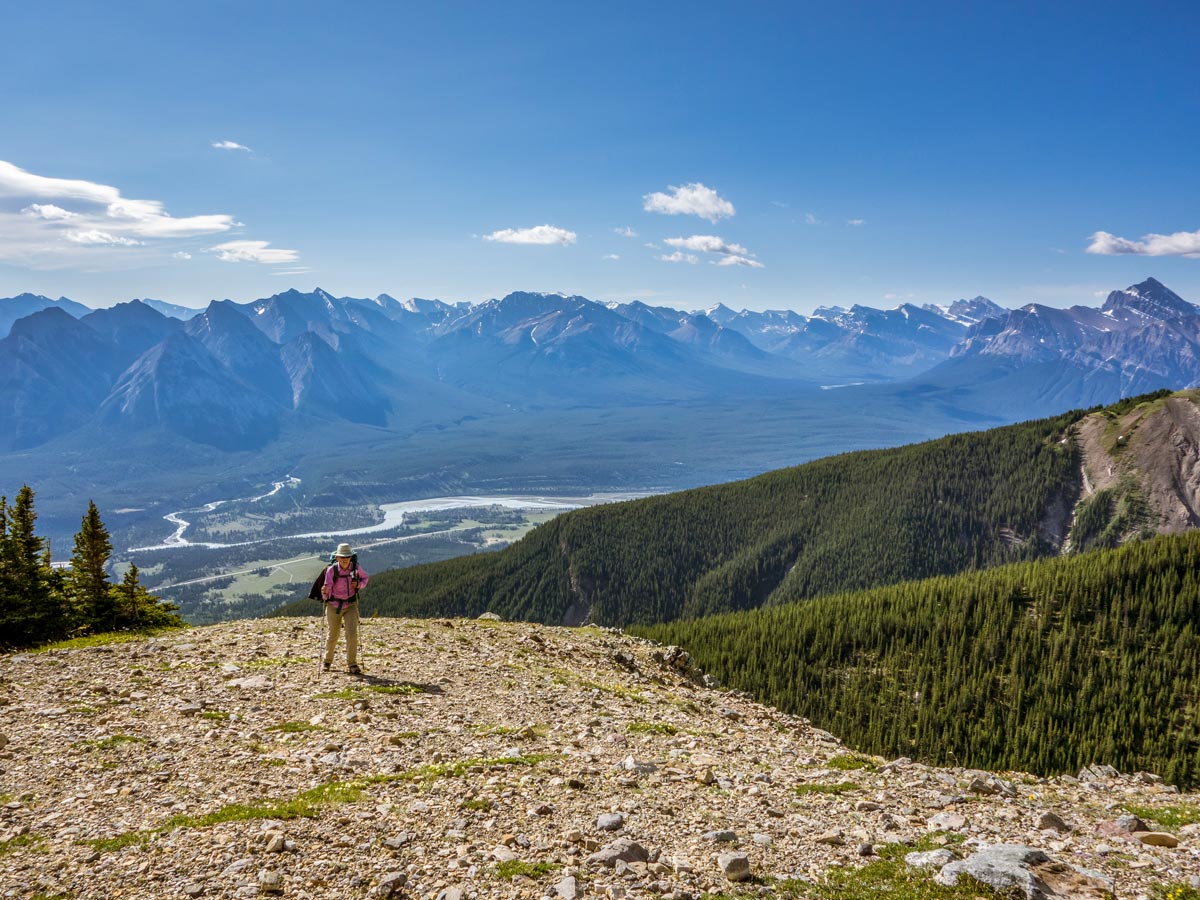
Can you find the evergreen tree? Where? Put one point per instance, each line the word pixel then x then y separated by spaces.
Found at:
pixel 138 608
pixel 34 613
pixel 90 587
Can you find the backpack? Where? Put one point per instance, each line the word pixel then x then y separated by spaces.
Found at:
pixel 314 593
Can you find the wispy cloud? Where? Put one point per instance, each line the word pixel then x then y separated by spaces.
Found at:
pixel 856 221
pixel 181 254
pixel 626 232
pixel 677 256
pixel 95 236
pixel 738 261
pixel 253 251
pixel 693 199
pixel 231 145
pixel 706 243
pixel 612 256
pixel 811 219
pixel 1181 243
pixel 48 211
pixel 730 254
pixel 539 234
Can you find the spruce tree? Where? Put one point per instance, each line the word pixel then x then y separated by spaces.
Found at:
pixel 138 608
pixel 90 587
pixel 37 615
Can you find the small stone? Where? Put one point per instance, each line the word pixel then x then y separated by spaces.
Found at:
pixel 947 822
pixel 930 859
pixel 395 843
pixel 502 854
pixel 721 837
pixel 567 889
pixel 490 617
pixel 1050 821
pixel 867 806
pixel 390 885
pixel 735 866
pixel 833 837
pixel 706 777
pixel 275 843
pixel 620 850
pixel 191 709
pixel 1156 838
pixel 194 890
pixel 610 822
pixel 270 882
pixel 866 850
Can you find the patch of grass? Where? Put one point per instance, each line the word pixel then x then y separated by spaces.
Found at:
pixel 886 878
pixel 841 787
pixel 29 841
pixel 101 640
pixel 344 694
pixel 296 727
pixel 652 728
pixel 272 662
pixel 1176 890
pixel 408 734
pixel 513 868
pixel 401 689
pixel 463 766
pixel 215 714
pixel 1173 816
pixel 481 805
pixel 848 762
pixel 615 690
pixel 114 740
pixel 120 842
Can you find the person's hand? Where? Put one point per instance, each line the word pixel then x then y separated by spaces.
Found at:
pixel 324 593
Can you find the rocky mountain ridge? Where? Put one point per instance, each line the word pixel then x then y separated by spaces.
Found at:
pixel 482 759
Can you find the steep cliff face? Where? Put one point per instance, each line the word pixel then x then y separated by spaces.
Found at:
pixel 1140 472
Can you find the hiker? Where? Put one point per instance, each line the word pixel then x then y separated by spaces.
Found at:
pixel 344 578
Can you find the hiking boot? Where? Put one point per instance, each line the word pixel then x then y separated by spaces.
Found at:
pixel 354 669
pixel 325 667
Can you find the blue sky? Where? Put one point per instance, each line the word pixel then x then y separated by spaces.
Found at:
pixel 763 155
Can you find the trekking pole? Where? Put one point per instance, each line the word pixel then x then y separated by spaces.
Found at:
pixel 321 648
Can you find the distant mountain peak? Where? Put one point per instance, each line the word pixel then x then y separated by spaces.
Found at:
pixel 1150 299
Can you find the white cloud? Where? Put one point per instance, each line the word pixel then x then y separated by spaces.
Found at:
pixel 693 199
pixel 738 261
pixel 626 232
pixel 181 255
pixel 94 236
pixel 1181 243
pixel 612 256
pixel 856 221
pixel 48 211
pixel 811 219
pixel 230 145
pixel 779 203
pixel 707 243
pixel 539 234
pixel 253 251
pixel 677 256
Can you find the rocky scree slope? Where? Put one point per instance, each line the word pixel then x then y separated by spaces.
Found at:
pixel 482 759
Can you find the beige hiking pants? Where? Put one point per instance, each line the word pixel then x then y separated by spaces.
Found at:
pixel 334 622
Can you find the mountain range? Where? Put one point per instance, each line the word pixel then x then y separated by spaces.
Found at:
pixel 371 396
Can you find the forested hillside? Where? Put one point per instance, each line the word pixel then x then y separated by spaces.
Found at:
pixel 842 523
pixel 1043 666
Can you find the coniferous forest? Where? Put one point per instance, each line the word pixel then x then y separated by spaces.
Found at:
pixel 1041 666
pixel 41 602
pixel 842 523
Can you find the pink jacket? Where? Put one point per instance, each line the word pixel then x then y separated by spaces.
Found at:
pixel 339 583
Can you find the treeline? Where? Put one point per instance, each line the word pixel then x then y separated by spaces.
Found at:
pixel 846 522
pixel 41 602
pixel 1044 666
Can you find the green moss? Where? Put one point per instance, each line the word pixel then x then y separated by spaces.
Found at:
pixel 848 762
pixel 111 741
pixel 513 868
pixel 296 727
pixel 480 805
pixel 1172 816
pixel 29 841
pixel 344 694
pixel 215 714
pixel 401 689
pixel 101 640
